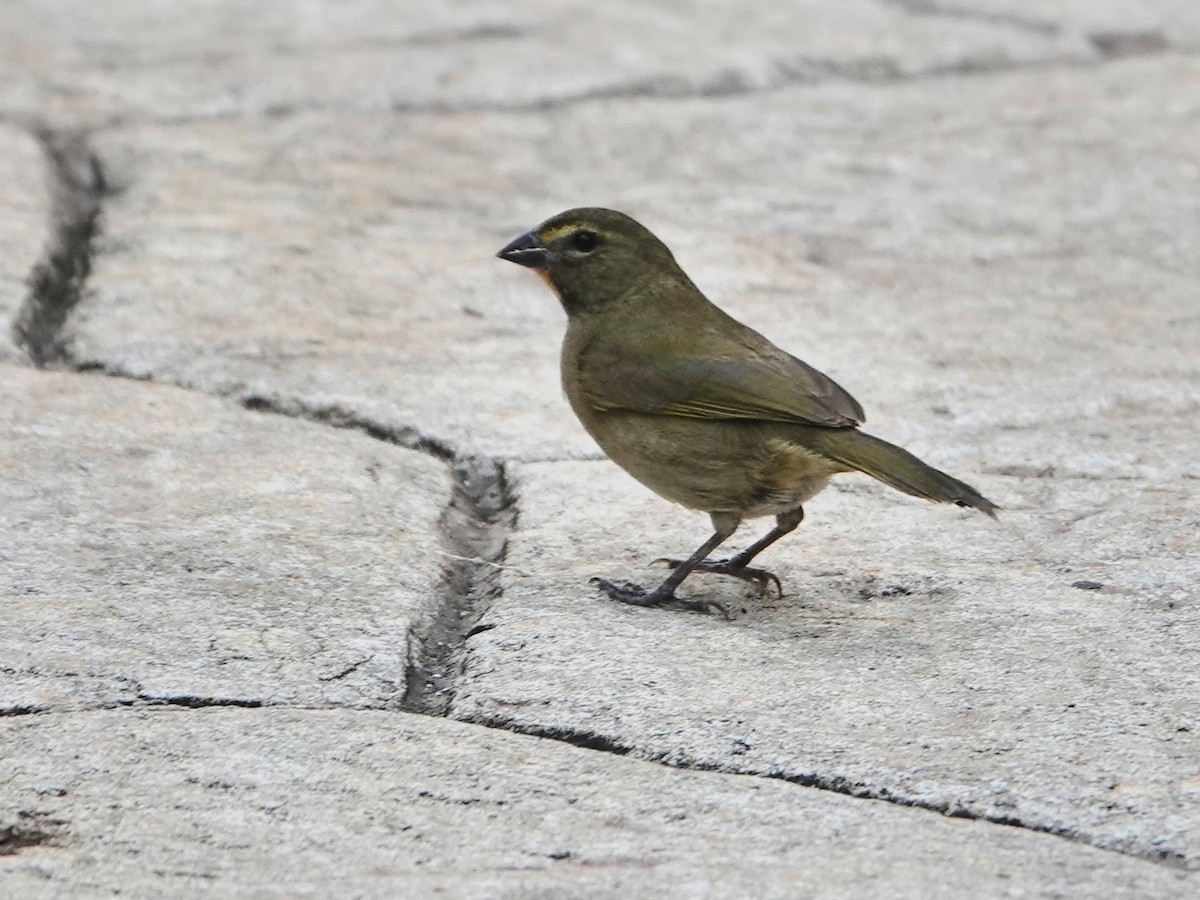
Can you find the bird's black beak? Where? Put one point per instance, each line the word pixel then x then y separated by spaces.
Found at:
pixel 526 251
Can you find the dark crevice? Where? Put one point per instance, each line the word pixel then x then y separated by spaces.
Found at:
pixel 950 11
pixel 332 414
pixel 797 71
pixel 483 32
pixel 588 740
pixel 56 284
pixel 32 829
pixel 783 73
pixel 474 530
pixel 23 709
pixel 339 417
pixel 1118 44
pixel 347 670
pixel 193 701
pixel 497 31
pixel 837 784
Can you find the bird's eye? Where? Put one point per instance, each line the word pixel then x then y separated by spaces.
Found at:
pixel 584 241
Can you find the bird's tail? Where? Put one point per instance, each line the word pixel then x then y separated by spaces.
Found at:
pixel 896 467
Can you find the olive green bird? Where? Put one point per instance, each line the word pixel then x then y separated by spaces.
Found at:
pixel 701 409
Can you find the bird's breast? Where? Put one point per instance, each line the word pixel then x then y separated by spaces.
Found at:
pixel 708 464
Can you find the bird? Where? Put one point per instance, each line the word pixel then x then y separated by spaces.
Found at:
pixel 701 409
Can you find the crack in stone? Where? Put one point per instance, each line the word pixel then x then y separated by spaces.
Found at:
pixel 347 670
pixel 332 414
pixel 32 829
pixel 338 416
pixel 193 701
pixel 793 72
pixel 836 784
pixel 800 70
pixel 56 283
pixel 1118 44
pixel 481 33
pixel 474 528
pixel 23 709
pixel 1006 20
pixel 784 73
pixel 483 510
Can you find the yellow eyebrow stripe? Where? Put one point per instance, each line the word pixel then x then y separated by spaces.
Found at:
pixel 548 236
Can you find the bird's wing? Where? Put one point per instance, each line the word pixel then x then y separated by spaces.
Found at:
pixel 772 386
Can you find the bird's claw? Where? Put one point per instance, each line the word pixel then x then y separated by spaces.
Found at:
pixel 760 578
pixel 635 594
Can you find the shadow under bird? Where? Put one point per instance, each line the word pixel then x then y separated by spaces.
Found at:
pixel 701 409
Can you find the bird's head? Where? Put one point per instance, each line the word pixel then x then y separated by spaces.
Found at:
pixel 590 256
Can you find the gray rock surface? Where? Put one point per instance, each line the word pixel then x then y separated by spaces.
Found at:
pixel 166 547
pixel 218 60
pixel 921 655
pixel 24 213
pixel 282 802
pixel 1024 367
pixel 1111 26
pixel 309 273
pixel 305 470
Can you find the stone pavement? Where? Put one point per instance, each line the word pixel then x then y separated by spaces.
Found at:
pixel 297 527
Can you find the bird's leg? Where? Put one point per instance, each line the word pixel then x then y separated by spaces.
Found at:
pixel 738 564
pixel 664 594
pixel 785 523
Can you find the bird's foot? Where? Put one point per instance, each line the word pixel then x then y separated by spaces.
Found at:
pixel 627 592
pixel 760 578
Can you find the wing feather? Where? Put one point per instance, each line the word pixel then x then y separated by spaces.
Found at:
pixel 772 387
